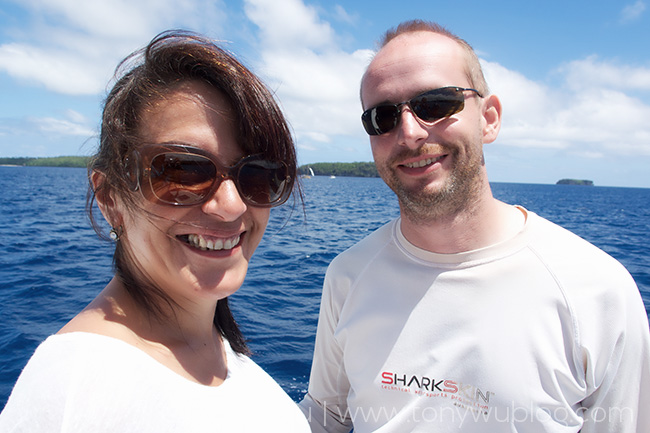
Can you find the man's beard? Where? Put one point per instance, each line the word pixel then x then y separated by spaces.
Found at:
pixel 459 192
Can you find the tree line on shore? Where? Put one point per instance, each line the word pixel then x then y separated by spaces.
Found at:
pixel 58 161
pixel 353 169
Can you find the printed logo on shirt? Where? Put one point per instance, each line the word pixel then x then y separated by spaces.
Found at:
pixel 462 394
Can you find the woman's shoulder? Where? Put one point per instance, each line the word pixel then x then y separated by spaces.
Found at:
pixel 104 316
pixel 59 349
pixel 93 320
pixel 59 361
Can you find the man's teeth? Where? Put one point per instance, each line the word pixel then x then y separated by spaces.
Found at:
pixel 422 163
pixel 199 241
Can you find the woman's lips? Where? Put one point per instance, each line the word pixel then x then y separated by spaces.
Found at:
pixel 210 243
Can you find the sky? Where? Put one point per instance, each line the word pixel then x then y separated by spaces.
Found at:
pixel 573 76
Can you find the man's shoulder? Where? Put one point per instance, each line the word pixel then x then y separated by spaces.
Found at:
pixel 551 240
pixel 371 243
pixel 583 270
pixel 350 263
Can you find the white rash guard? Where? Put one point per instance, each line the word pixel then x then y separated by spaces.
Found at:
pixel 81 382
pixel 542 333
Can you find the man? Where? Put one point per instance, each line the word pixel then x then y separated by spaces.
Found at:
pixel 467 314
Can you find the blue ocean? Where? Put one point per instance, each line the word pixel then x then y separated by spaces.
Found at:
pixel 52 263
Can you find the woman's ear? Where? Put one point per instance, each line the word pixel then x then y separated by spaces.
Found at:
pixel 492 118
pixel 105 199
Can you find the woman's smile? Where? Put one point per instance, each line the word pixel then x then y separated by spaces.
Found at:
pixel 210 243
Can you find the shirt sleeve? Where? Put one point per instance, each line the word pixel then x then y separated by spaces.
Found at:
pixel 616 361
pixel 325 404
pixel 38 400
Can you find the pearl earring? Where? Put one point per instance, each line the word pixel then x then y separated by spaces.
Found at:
pixel 115 233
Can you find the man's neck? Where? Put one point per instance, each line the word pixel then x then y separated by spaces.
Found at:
pixel 488 222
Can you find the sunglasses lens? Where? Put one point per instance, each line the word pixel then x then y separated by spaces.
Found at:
pixel 188 177
pixel 181 178
pixel 263 183
pixel 381 119
pixel 438 104
pixel 433 105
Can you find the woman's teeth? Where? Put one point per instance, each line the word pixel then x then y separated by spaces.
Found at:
pixel 422 163
pixel 200 242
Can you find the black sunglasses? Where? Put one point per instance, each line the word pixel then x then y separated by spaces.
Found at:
pixel 429 106
pixel 180 175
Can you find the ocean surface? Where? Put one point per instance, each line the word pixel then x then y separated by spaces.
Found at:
pixel 52 263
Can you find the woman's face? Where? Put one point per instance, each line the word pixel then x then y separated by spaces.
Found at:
pixel 202 251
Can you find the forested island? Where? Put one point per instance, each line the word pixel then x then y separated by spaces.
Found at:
pixel 355 169
pixel 58 161
pixel 575 182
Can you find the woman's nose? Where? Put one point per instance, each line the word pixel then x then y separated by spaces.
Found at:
pixel 226 202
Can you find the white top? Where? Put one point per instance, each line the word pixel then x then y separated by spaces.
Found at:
pixel 541 333
pixel 83 382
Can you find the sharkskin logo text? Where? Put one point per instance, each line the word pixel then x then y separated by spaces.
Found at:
pixel 462 394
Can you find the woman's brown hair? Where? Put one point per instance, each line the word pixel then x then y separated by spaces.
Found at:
pixel 147 76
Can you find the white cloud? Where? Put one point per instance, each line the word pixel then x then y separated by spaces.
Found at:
pixel 73 46
pixel 588 154
pixel 122 19
pixel 316 81
pixel 632 12
pixel 344 16
pixel 595 109
pixel 50 125
pixel 289 24
pixel 75 116
pixel 319 92
pixel 592 72
pixel 57 70
pixel 47 128
pixel 318 137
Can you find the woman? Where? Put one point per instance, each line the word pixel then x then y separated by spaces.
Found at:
pixel 193 153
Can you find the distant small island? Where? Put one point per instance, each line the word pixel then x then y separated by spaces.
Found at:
pixel 575 182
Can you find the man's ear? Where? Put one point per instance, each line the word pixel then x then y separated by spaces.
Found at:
pixel 492 118
pixel 105 199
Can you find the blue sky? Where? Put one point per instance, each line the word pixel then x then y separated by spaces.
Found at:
pixel 573 76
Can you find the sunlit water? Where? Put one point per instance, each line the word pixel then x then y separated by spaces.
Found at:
pixel 52 263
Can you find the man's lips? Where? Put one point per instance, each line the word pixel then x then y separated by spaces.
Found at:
pixel 423 162
pixel 210 243
pixel 420 165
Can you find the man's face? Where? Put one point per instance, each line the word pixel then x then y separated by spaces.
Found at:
pixel 435 168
